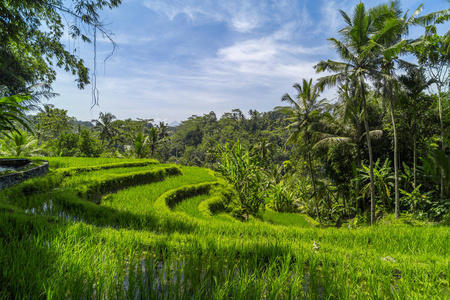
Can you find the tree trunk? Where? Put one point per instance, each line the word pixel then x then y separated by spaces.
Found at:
pixel 441 121
pixel 359 166
pixel 414 129
pixel 415 160
pixel 397 208
pixel 314 187
pixel 369 145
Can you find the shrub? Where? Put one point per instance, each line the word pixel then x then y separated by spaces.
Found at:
pixel 89 145
pixel 281 199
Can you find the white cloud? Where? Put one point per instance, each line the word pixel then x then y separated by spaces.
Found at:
pixel 277 55
pixel 241 16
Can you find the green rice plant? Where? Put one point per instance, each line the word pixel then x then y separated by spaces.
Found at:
pixel 140 199
pixel 286 219
pixel 112 183
pixel 74 170
pixel 67 162
pixel 190 206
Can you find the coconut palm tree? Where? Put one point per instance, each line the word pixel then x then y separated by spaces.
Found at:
pixel 153 141
pixel 163 131
pixel 359 55
pixel 105 126
pixel 389 39
pixel 304 112
pixel 345 124
pixel 141 145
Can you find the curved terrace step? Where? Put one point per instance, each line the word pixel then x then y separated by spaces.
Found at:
pixel 115 182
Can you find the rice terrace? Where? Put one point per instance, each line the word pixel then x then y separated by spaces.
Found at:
pixel 166 235
pixel 334 185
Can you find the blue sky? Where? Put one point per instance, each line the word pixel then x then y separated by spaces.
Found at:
pixel 178 58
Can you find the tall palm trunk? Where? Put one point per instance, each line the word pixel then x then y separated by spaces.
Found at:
pixel 394 127
pixel 316 205
pixel 369 145
pixel 441 121
pixel 415 160
pixel 358 166
pixel 414 146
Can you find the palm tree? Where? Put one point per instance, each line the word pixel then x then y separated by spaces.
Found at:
pixel 163 131
pixel 303 114
pixel 21 144
pixel 141 145
pixel 359 62
pixel 153 141
pixel 345 122
pixel 106 127
pixel 12 111
pixel 389 39
pixel 263 149
pixel 345 125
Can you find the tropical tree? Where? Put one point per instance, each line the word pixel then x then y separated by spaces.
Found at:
pixel 415 82
pixel 22 144
pixel 163 131
pixel 263 149
pixel 31 39
pixel 52 121
pixel 154 139
pixel 345 125
pixel 89 145
pixel 304 113
pixel 389 40
pixel 359 56
pixel 106 127
pixel 141 145
pixel 433 55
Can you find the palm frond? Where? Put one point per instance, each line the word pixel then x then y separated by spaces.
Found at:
pixel 432 18
pixel 374 134
pixel 332 80
pixel 330 141
pixel 346 17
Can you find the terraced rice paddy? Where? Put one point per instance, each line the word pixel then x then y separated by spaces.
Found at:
pixel 125 229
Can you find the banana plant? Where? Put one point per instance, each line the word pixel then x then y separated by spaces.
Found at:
pixel 383 180
pixel 243 171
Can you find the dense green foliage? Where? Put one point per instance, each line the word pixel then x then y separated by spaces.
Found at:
pixel 31 35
